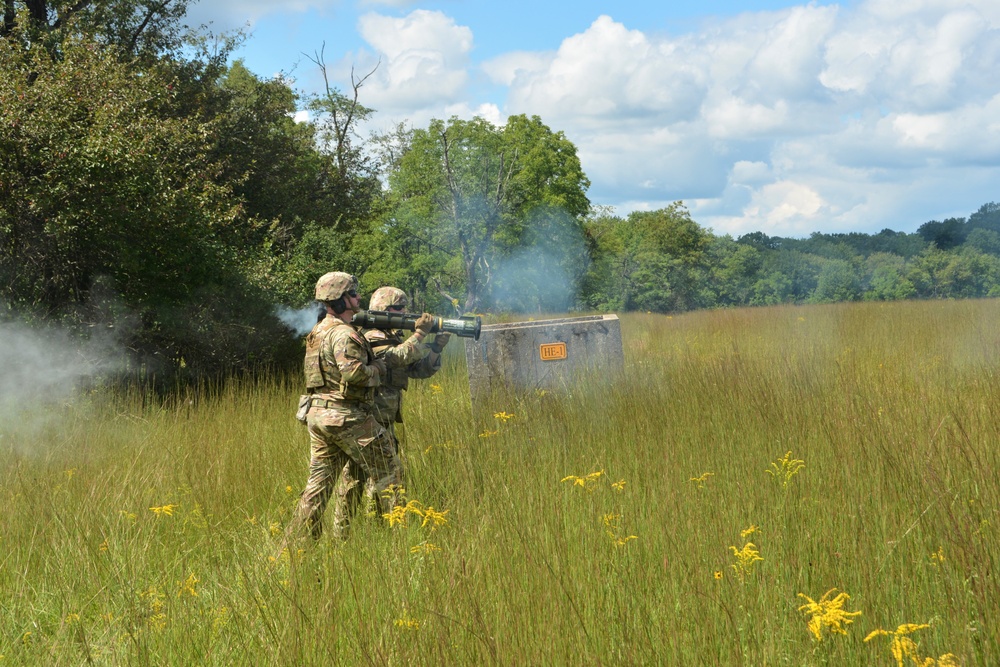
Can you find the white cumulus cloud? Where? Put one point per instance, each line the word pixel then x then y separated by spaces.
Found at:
pixel 422 58
pixel 844 116
pixel 805 119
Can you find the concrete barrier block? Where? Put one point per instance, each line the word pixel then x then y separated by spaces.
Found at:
pixel 544 354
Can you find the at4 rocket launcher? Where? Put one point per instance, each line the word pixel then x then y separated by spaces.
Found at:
pixel 465 327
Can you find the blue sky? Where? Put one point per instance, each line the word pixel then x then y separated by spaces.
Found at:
pixel 766 115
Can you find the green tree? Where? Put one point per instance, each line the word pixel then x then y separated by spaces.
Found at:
pixel 651 260
pixel 104 189
pixel 986 217
pixel 886 279
pixel 945 235
pixel 272 162
pixel 837 281
pixel 984 240
pixel 472 188
pixel 969 273
pixel 927 273
pixel 735 268
pixel 787 276
pixel 144 29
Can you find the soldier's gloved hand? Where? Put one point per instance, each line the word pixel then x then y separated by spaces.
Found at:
pixel 380 365
pixel 424 323
pixel 440 341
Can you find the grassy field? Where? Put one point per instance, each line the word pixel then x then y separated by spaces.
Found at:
pixel 748 458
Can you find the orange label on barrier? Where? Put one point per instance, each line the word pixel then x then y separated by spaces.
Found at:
pixel 552 351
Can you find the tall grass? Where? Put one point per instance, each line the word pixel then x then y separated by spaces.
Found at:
pixel 138 531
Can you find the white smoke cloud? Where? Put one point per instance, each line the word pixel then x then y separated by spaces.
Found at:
pixel 299 320
pixel 542 276
pixel 45 367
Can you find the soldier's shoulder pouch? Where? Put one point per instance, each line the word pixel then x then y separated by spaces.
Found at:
pixel 305 402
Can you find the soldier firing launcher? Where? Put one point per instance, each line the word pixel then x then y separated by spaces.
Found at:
pixel 465 327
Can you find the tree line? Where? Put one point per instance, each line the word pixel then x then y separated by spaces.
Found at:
pixel 663 261
pixel 150 186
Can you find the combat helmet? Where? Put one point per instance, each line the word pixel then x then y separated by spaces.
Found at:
pixel 388 296
pixel 331 286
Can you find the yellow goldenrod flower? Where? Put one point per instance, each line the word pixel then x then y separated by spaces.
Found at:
pixel 902 646
pixel 828 612
pixel 407 623
pixel 701 479
pixel 167 510
pixel 754 528
pixel 503 416
pixel 154 599
pixel 585 482
pixel 745 558
pixel 619 485
pixel 394 491
pixel 72 618
pixel 611 519
pixel 434 518
pixel 622 541
pixel 786 467
pixel 938 556
pixel 397 516
pixel 424 548
pixel 488 433
pixel 436 389
pixel 288 489
pixel 188 586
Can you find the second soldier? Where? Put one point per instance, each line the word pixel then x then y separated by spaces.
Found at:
pixel 404 359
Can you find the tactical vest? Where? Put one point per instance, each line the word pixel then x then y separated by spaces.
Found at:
pixel 324 378
pixel 396 378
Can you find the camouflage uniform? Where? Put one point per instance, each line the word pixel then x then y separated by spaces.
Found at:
pixel 348 447
pixel 404 359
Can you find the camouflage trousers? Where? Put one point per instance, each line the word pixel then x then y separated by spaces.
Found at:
pixel 351 455
pixel 350 476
